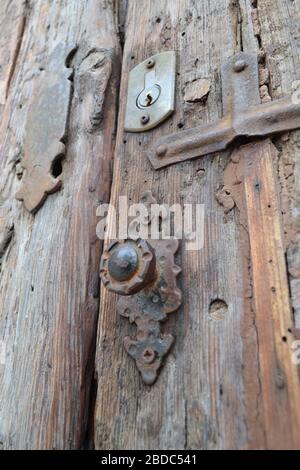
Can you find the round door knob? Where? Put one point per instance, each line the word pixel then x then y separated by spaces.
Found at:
pixel 128 266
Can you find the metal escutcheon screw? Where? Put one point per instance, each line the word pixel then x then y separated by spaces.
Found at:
pixel 150 63
pixel 145 118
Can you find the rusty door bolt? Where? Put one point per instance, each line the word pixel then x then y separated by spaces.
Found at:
pixel 145 118
pixel 244 116
pixel 127 266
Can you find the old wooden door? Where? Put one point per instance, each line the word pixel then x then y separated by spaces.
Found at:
pixel 231 380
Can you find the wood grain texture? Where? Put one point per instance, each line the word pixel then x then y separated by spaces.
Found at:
pixel 278 375
pixel 49 286
pixel 199 400
pixel 250 180
pixel 232 351
pixel 280 37
pixel 12 13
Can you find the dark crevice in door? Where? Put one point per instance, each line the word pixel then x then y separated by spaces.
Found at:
pixel 120 12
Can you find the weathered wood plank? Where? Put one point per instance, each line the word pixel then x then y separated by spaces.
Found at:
pixel 49 286
pixel 278 375
pixel 279 23
pixel 11 13
pixel 251 181
pixel 230 352
pixel 202 398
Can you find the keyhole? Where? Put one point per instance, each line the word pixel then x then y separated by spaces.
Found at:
pixel 149 99
pixel 148 96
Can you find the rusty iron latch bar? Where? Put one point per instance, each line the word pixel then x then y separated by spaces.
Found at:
pixel 144 274
pixel 244 116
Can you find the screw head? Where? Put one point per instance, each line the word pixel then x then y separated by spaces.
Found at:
pixel 161 150
pixel 150 63
pixel 239 65
pixel 145 118
pixel 123 263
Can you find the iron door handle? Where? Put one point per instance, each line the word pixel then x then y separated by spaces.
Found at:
pixel 146 269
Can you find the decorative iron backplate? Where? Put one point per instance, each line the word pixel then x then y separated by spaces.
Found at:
pixel 46 129
pixel 149 308
pixel 157 294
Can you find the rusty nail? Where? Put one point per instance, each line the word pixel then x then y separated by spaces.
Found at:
pixel 150 63
pixel 239 66
pixel 161 150
pixel 149 355
pixel 145 118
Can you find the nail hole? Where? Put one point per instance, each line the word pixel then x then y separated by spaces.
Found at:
pixel 56 169
pixel 180 125
pixel 284 339
pixel 218 309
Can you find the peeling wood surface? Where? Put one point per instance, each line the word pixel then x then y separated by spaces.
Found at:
pixel 229 377
pixel 49 286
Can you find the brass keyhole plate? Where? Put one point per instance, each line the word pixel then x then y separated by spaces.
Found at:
pixel 151 92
